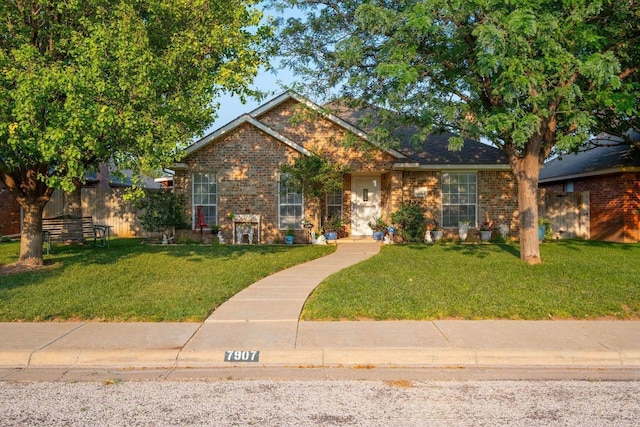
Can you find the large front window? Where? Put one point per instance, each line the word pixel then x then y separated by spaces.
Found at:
pixel 205 197
pixel 289 206
pixel 459 198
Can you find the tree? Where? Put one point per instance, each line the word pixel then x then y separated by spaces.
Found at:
pixel 124 81
pixel 163 210
pixel 526 75
pixel 315 176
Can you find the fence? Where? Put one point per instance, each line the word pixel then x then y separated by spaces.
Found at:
pixel 567 212
pixel 107 206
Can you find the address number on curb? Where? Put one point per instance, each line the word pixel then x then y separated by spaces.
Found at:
pixel 241 356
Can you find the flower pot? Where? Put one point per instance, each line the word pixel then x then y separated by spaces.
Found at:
pixel 288 240
pixel 541 231
pixel 331 235
pixel 485 235
pixel 378 235
pixel 437 235
pixel 463 231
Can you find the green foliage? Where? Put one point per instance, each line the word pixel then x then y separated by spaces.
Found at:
pixel 378 224
pixel 314 176
pixel 410 222
pixel 531 76
pixel 161 210
pixel 129 82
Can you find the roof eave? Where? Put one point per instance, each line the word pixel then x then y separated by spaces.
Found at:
pixel 414 166
pixel 609 171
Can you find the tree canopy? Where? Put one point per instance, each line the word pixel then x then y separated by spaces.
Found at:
pixel 125 81
pixel 531 76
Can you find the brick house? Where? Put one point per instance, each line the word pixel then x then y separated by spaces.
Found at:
pixel 10 214
pixel 611 175
pixel 236 170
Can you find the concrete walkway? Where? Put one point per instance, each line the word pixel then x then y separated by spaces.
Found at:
pixel 259 327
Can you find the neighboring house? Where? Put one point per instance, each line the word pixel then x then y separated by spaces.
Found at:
pixel 236 170
pixel 611 175
pixel 10 214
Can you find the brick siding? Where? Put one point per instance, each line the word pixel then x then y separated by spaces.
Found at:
pixel 614 205
pixel 9 213
pixel 247 163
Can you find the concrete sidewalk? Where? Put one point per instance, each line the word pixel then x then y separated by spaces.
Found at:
pixel 259 327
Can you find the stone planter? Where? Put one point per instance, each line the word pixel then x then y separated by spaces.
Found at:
pixel 378 235
pixel 288 240
pixel 485 235
pixel 437 235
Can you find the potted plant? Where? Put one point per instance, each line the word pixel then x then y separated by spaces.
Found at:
pixel 379 227
pixel 436 230
pixel 486 230
pixel 331 227
pixel 544 228
pixel 289 234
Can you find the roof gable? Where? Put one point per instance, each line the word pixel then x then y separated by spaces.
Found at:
pixel 239 122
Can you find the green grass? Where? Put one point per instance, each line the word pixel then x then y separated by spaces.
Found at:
pixel 135 282
pixel 577 280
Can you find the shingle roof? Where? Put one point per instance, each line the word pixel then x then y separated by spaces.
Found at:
pixel 434 150
pixel 601 159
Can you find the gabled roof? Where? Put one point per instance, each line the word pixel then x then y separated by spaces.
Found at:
pixel 613 156
pixel 246 118
pixel 432 153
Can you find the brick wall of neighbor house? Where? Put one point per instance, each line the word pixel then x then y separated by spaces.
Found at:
pixel 246 163
pixel 614 207
pixel 9 213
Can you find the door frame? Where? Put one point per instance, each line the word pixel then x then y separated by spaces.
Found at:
pixel 377 179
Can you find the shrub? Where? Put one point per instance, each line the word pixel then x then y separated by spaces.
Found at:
pixel 409 221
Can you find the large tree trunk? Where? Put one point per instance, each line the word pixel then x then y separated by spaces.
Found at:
pixel 31 240
pixel 527 172
pixel 32 195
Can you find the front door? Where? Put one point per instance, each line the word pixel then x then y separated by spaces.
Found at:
pixel 365 202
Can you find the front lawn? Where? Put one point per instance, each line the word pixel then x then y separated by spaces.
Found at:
pixel 135 282
pixel 577 280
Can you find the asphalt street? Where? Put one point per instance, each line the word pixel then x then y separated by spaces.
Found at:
pixel 320 403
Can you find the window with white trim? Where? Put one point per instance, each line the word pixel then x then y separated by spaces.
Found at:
pixel 334 204
pixel 290 206
pixel 205 195
pixel 459 198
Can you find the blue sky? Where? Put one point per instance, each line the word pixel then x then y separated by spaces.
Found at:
pixel 266 81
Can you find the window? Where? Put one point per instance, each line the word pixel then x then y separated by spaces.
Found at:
pixel 568 187
pixel 459 198
pixel 205 194
pixel 289 206
pixel 334 204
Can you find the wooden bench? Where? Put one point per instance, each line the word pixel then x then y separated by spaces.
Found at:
pixel 73 229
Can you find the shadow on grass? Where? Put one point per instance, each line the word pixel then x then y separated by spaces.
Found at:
pixel 478 250
pixel 64 256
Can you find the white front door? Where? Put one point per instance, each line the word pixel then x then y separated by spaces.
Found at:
pixel 365 202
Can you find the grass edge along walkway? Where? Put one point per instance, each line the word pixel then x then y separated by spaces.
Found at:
pixel 577 280
pixel 134 282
